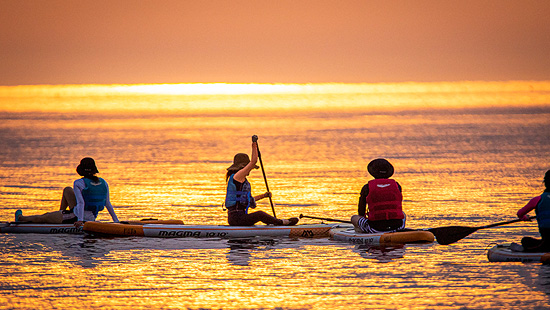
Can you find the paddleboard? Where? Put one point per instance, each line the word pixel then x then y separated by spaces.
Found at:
pixel 39 228
pixel 29 228
pixel 400 237
pixel 150 221
pixel 225 231
pixel 503 253
pixel 125 228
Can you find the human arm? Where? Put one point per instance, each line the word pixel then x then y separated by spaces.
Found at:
pixel 362 205
pixel 532 204
pixel 262 196
pixel 109 206
pixel 240 176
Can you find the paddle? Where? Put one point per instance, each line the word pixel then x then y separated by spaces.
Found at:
pixel 324 219
pixel 444 235
pixel 255 139
pixel 450 234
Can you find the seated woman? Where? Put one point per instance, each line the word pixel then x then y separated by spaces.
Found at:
pixel 239 194
pixel 89 195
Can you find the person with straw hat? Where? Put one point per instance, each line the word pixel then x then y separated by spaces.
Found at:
pixel 239 197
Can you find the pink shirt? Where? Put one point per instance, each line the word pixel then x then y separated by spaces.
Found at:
pixel 532 204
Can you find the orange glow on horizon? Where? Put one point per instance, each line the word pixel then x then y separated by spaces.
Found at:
pixel 227 97
pixel 264 88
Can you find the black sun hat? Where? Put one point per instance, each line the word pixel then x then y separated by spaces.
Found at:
pixel 380 168
pixel 87 167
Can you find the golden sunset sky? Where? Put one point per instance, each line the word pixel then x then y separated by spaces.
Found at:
pixel 275 41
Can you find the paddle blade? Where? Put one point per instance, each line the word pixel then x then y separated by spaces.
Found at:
pixel 451 234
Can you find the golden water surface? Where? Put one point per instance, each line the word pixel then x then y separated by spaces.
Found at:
pixel 469 153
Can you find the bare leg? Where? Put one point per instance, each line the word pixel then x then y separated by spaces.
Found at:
pixel 55 217
pixel 68 199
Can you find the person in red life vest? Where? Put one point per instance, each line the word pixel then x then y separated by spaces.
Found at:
pixel 384 199
pixel 239 197
pixel 541 205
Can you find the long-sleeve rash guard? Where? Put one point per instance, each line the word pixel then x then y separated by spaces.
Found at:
pixel 530 206
pixel 79 211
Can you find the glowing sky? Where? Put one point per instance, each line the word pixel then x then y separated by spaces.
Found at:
pixel 177 41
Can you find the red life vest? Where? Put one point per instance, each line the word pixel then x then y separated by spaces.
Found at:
pixel 384 200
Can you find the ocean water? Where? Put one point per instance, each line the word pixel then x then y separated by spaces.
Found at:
pixel 466 154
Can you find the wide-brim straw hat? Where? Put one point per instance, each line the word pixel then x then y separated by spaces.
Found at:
pixel 240 161
pixel 380 168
